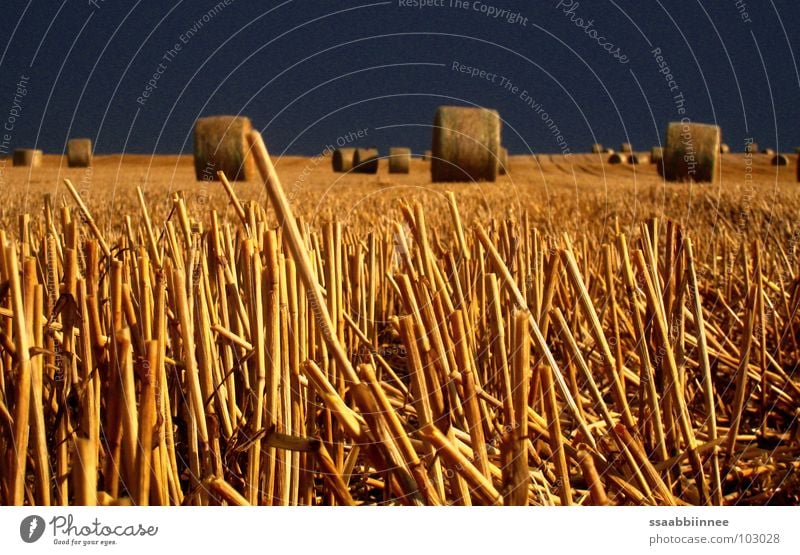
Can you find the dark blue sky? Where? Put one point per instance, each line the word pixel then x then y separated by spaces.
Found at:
pixel 310 71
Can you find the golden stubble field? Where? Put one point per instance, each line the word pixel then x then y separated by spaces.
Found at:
pixel 575 333
pixel 575 194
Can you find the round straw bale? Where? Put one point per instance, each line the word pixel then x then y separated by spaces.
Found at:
pixel 724 148
pixel 608 151
pixel 626 148
pixel 502 167
pixel 768 152
pixel 365 160
pixel 618 158
pixel 779 160
pixel 751 148
pixel 399 159
pixel 691 152
pixel 220 144
pixel 79 153
pixel 638 158
pixel 27 157
pixel 597 148
pixel 466 144
pixel 342 159
pixel 656 154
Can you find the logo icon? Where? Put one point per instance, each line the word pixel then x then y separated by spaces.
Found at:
pixel 31 528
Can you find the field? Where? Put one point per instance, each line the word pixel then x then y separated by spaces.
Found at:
pixel 575 333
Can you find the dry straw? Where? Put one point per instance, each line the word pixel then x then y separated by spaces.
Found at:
pixel 248 357
pixel 342 159
pixel 366 160
pixel 779 160
pixel 502 167
pixel 399 160
pixel 656 154
pixel 79 153
pixel 27 157
pixel 691 152
pixel 220 144
pixel 466 144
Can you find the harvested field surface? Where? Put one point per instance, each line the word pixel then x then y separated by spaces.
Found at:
pixel 558 193
pixel 574 333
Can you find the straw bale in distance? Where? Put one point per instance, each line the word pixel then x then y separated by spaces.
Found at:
pixel 343 159
pixel 399 159
pixel 691 152
pixel 79 153
pixel 220 144
pixel 502 168
pixel 365 160
pixel 466 144
pixel 28 157
pixel 656 154
pixel 780 160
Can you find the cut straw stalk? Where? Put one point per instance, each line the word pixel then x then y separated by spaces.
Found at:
pixel 539 339
pixel 596 327
pixel 300 255
pixel 675 387
pixel 16 477
pixel 517 477
pixel 87 216
pixel 708 383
